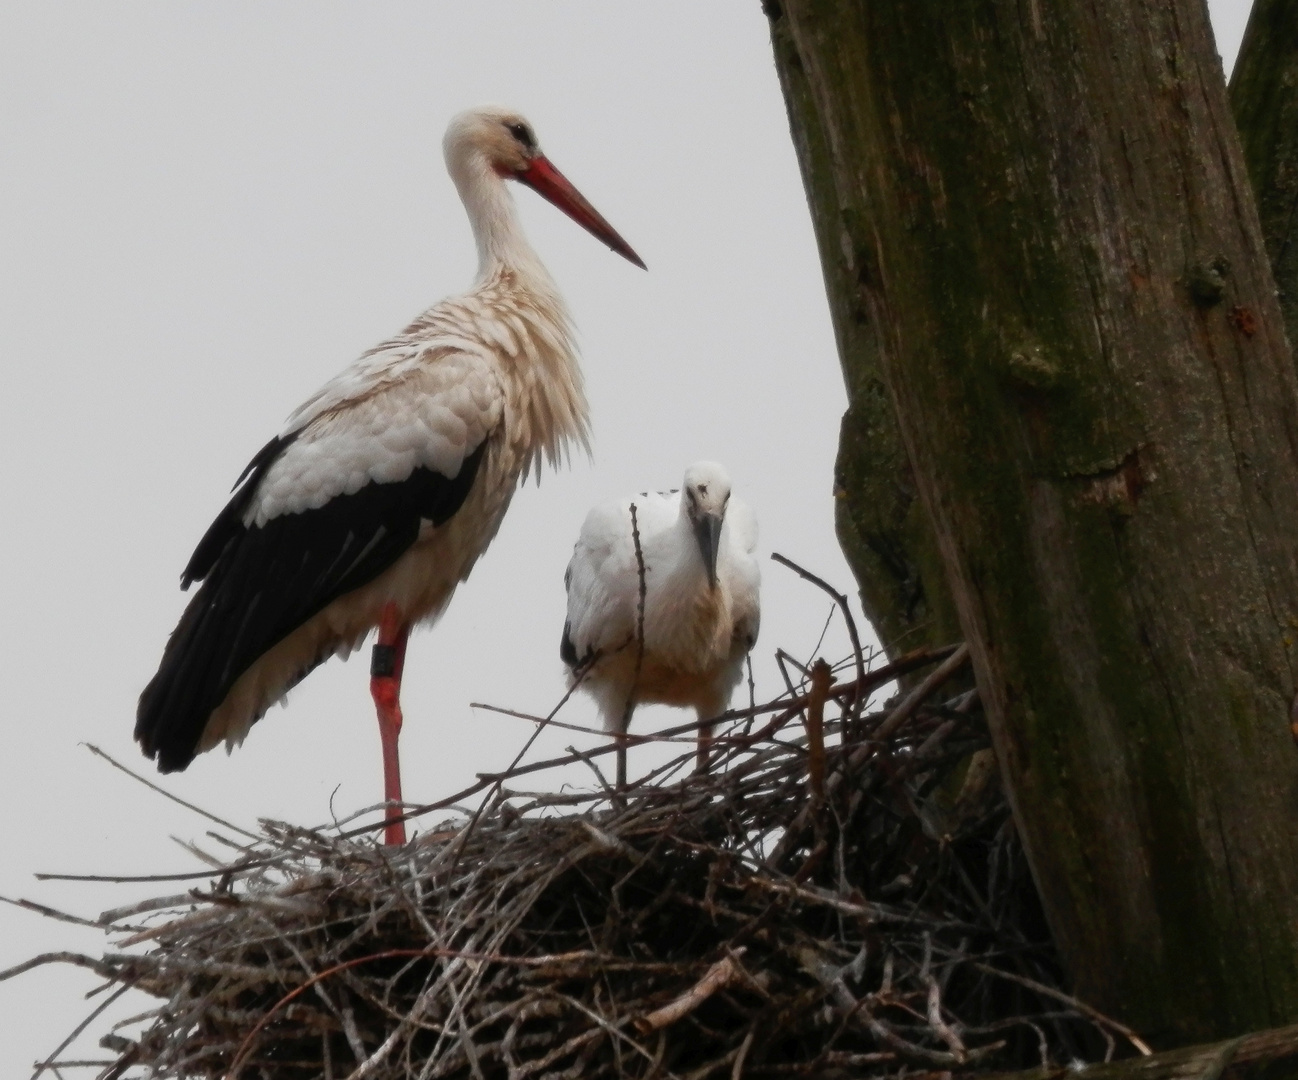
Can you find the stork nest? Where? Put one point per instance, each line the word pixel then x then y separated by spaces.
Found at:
pixel 862 908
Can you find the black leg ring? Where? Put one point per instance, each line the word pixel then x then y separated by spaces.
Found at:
pixel 383 661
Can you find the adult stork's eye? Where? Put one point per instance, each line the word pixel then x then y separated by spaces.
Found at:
pixel 523 134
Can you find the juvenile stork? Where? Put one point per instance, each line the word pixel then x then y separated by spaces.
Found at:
pixel 701 604
pixel 381 491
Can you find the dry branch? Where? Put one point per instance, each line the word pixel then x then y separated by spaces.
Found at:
pixel 720 974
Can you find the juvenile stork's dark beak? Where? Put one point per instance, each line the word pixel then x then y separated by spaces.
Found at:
pixel 707 531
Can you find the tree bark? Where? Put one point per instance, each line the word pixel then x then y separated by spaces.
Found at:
pixel 1275 1051
pixel 881 524
pixel 1063 274
pixel 1264 98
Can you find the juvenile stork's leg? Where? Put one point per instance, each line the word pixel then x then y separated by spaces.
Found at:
pixel 704 753
pixel 711 707
pixel 386 664
pixel 619 737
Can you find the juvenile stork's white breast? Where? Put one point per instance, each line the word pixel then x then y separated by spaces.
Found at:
pixel 701 609
pixel 382 490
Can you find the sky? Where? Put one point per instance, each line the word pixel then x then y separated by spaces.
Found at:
pixel 207 210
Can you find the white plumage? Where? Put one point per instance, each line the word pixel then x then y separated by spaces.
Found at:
pixel 383 489
pixel 702 606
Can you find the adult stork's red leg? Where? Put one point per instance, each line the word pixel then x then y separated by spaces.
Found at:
pixel 388 660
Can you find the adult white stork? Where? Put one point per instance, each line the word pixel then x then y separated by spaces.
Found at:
pixel 701 602
pixel 377 497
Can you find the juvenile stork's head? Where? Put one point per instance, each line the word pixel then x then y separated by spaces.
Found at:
pixel 704 496
pixel 490 140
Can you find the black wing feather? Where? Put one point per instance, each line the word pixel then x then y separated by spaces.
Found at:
pixel 262 583
pixel 229 522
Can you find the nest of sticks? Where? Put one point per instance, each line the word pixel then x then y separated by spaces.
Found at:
pixel 841 894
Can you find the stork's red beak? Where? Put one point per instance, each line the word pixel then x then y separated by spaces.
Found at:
pixel 553 186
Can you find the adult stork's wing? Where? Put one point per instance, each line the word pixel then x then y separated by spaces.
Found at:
pixel 323 509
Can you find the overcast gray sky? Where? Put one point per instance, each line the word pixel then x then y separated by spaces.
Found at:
pixel 206 210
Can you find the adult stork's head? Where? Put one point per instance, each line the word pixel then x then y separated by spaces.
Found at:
pixel 492 141
pixel 703 502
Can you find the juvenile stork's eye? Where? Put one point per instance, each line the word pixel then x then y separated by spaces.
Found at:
pixel 523 134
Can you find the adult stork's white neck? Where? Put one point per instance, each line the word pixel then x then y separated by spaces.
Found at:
pixel 484 147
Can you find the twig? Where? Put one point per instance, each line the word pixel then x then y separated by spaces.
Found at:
pixel 841 600
pixel 48 1063
pixel 920 694
pixel 125 879
pixel 52 913
pixel 820 680
pixel 639 651
pixel 99 967
pixel 720 974
pixel 742 1056
pixel 1071 1002
pixel 599 776
pixel 167 794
